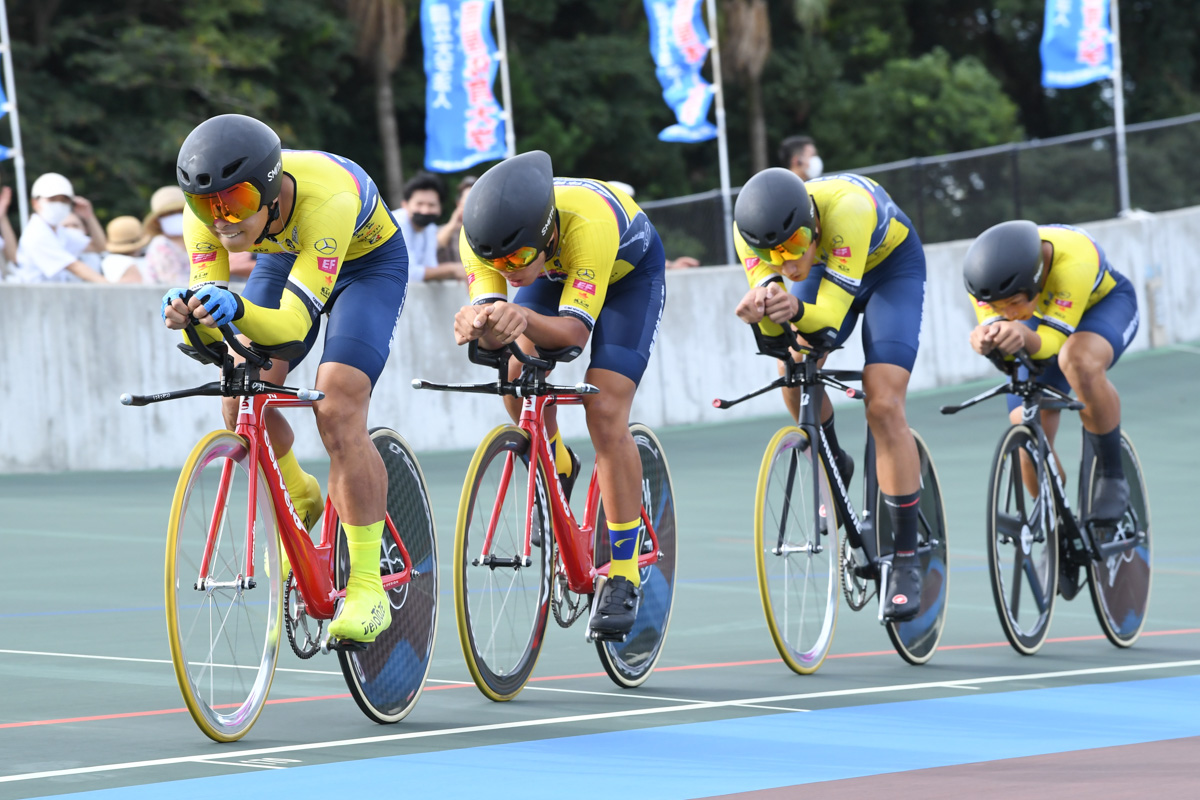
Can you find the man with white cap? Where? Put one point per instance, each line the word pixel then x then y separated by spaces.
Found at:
pixel 49 252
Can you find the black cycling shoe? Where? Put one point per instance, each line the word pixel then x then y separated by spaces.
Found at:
pixel 903 599
pixel 615 609
pixel 568 483
pixel 1110 500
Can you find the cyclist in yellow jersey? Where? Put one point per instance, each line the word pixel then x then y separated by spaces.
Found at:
pixel 587 263
pixel 1051 291
pixel 850 251
pixel 328 245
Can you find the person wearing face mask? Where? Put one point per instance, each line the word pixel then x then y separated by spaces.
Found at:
pixel 799 154
pixel 849 251
pixel 418 220
pixel 326 245
pixel 49 251
pixel 166 257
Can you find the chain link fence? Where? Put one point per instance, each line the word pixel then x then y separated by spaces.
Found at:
pixel 1071 179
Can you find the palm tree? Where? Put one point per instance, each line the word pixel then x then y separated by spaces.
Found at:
pixel 382 27
pixel 748 45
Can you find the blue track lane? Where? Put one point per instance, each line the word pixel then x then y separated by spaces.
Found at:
pixel 712 758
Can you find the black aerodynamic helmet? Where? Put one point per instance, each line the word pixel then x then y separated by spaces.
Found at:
pixel 772 207
pixel 1004 260
pixel 509 216
pixel 223 152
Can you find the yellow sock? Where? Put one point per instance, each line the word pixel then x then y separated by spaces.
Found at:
pixel 303 488
pixel 625 549
pixel 562 459
pixel 366 613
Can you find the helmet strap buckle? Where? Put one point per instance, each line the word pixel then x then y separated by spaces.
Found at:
pixel 272 215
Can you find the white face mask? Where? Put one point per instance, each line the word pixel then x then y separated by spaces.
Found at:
pixel 54 212
pixel 171 224
pixel 815 167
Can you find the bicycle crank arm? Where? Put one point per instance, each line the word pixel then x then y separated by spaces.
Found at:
pixel 884 568
pixel 492 562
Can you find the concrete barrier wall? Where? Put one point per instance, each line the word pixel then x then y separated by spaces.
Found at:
pixel 68 352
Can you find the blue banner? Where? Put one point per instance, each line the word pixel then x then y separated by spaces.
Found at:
pixel 679 43
pixel 1076 43
pixel 463 122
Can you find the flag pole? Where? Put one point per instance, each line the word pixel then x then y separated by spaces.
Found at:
pixel 722 142
pixel 11 107
pixel 510 136
pixel 1119 113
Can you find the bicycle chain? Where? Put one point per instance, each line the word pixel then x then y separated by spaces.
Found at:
pixel 310 647
pixel 575 608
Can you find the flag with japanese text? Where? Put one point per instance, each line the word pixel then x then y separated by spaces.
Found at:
pixel 680 43
pixel 464 124
pixel 1076 43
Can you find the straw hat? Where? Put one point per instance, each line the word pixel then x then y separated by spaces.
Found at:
pixel 165 200
pixel 125 235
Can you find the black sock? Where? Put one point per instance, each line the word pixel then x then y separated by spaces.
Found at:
pixel 1107 447
pixel 903 511
pixel 831 436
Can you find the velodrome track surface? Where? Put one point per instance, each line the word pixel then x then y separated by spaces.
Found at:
pixel 88 701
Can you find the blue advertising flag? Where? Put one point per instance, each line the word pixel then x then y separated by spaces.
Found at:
pixel 3 105
pixel 1076 43
pixel 680 43
pixel 463 122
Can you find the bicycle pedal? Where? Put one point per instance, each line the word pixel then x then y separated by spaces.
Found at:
pixel 597 636
pixel 348 645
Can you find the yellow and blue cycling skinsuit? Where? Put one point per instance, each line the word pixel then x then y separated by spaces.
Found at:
pixel 339 253
pixel 867 249
pixel 1082 292
pixel 607 272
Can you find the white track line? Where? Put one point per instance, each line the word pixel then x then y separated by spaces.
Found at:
pixel 535 723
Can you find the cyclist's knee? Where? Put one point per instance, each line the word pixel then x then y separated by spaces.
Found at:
pixel 885 412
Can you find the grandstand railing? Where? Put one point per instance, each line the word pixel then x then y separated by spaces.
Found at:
pixel 1071 179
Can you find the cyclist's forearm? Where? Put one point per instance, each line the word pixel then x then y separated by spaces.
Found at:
pixel 553 333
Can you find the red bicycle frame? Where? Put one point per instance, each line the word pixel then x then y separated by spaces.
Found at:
pixel 312 564
pixel 575 541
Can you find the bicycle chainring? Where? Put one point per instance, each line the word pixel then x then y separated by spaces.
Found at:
pixel 858 590
pixel 305 644
pixel 568 606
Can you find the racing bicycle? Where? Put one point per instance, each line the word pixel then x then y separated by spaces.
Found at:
pixel 228 606
pixel 1037 547
pixel 801 501
pixel 519 552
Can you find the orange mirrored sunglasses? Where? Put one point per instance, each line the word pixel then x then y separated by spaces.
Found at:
pixel 518 259
pixel 235 204
pixel 790 250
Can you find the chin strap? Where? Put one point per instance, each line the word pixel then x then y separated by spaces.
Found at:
pixel 272 215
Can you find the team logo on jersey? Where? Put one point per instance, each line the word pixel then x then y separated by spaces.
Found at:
pixel 586 273
pixel 1062 303
pixel 838 241
pixel 200 258
pixel 326 246
pixel 584 286
pixel 204 247
pixel 841 252
pixel 327 264
pixel 751 263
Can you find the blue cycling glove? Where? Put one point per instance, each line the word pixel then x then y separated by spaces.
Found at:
pixel 182 294
pixel 224 305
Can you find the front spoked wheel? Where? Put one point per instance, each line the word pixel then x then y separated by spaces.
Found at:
pixel 1022 536
pixel 796 551
pixel 630 663
pixel 224 626
pixel 1120 580
pixel 501 601
pixel 916 640
pixel 386 679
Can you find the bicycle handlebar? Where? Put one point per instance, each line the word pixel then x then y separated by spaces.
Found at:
pixel 1022 388
pixel 532 380
pixel 781 347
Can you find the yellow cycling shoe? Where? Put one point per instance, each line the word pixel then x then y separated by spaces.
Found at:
pixel 309 503
pixel 366 612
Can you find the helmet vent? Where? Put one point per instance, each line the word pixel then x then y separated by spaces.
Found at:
pixel 509 240
pixel 232 167
pixel 1007 284
pixel 787 223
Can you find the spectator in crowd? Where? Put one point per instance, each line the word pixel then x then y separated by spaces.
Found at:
pixel 166 257
pixel 447 235
pixel 50 252
pixel 683 262
pixel 89 257
pixel 799 154
pixel 127 241
pixel 418 221
pixel 8 237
